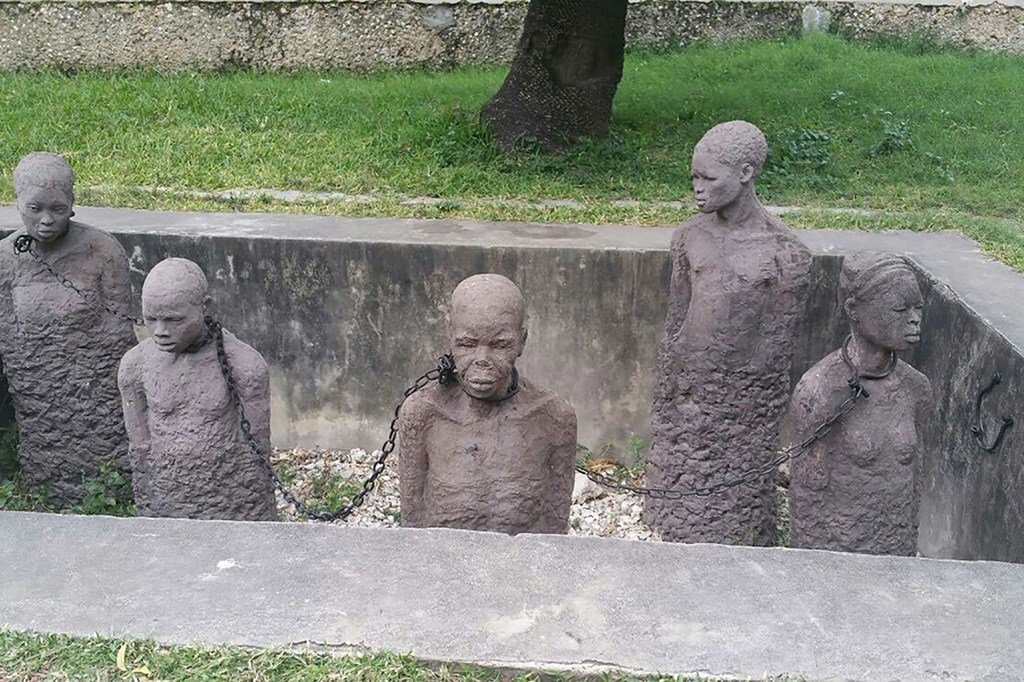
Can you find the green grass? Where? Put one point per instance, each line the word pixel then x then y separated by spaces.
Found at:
pixel 893 128
pixel 58 657
pixel 35 657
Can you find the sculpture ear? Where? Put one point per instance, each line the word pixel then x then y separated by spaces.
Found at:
pixel 522 342
pixel 746 173
pixel 850 308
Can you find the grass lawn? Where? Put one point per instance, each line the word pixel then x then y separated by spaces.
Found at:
pixel 58 657
pixel 930 139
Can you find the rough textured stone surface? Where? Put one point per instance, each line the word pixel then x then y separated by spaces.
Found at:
pixel 490 451
pixel 858 488
pixel 60 352
pixel 361 35
pixel 188 456
pixel 737 302
pixel 528 601
pixel 347 311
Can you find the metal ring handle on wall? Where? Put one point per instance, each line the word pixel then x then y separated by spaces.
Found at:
pixel 978 428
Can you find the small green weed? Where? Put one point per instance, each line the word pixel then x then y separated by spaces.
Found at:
pixel 109 494
pixel 330 493
pixel 801 155
pixel 895 136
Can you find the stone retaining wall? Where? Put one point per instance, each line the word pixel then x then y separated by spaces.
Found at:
pixel 348 311
pixel 285 35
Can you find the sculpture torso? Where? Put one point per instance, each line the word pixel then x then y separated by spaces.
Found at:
pixel 857 489
pixel 195 462
pixel 60 356
pixel 736 306
pixel 505 467
pixel 738 283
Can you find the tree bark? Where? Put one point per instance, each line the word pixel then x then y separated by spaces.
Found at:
pixel 564 76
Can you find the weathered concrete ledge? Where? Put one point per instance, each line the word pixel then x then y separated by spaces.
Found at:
pixel 358 35
pixel 348 311
pixel 526 602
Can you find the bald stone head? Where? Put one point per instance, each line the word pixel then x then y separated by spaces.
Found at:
pixel 44 188
pixel 174 299
pixel 488 334
pixel 881 296
pixel 725 163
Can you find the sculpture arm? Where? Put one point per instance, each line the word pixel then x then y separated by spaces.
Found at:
pixel 563 470
pixel 679 286
pixel 254 392
pixel 115 280
pixel 413 463
pixel 136 409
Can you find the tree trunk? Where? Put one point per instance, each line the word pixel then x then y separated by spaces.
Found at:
pixel 564 75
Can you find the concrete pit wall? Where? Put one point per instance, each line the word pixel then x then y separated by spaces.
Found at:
pixel 349 311
pixel 359 35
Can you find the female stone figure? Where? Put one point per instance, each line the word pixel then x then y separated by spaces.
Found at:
pixel 60 351
pixel 736 306
pixel 857 488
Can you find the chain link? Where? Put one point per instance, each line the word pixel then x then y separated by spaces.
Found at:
pixel 443 374
pixel 780 458
pixel 23 244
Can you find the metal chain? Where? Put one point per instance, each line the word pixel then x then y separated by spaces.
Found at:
pixel 443 374
pixel 23 244
pixel 857 392
pixel 781 458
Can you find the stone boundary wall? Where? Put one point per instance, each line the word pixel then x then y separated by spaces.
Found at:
pixel 360 35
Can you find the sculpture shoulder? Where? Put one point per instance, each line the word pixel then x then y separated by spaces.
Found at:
pixel 695 228
pixel 7 254
pixel 917 383
pixel 133 360
pixel 829 372
pixel 246 361
pixel 538 401
pixel 423 405
pixel 96 240
pixel 792 253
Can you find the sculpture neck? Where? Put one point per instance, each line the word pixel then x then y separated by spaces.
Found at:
pixel 869 357
pixel 740 211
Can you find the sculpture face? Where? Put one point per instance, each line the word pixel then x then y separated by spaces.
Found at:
pixel 715 184
pixel 46 212
pixel 890 316
pixel 485 344
pixel 174 319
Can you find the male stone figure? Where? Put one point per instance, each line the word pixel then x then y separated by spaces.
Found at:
pixel 189 458
pixel 738 292
pixel 60 350
pixel 492 451
pixel 857 488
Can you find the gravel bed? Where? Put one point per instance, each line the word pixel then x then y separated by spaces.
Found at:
pixel 594 511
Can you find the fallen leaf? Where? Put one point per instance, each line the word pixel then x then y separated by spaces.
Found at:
pixel 120 658
pixel 143 670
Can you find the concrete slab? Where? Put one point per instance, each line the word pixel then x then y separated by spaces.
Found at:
pixel 524 602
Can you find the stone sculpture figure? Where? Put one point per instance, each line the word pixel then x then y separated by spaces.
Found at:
pixel 738 294
pixel 857 488
pixel 492 451
pixel 188 456
pixel 60 350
